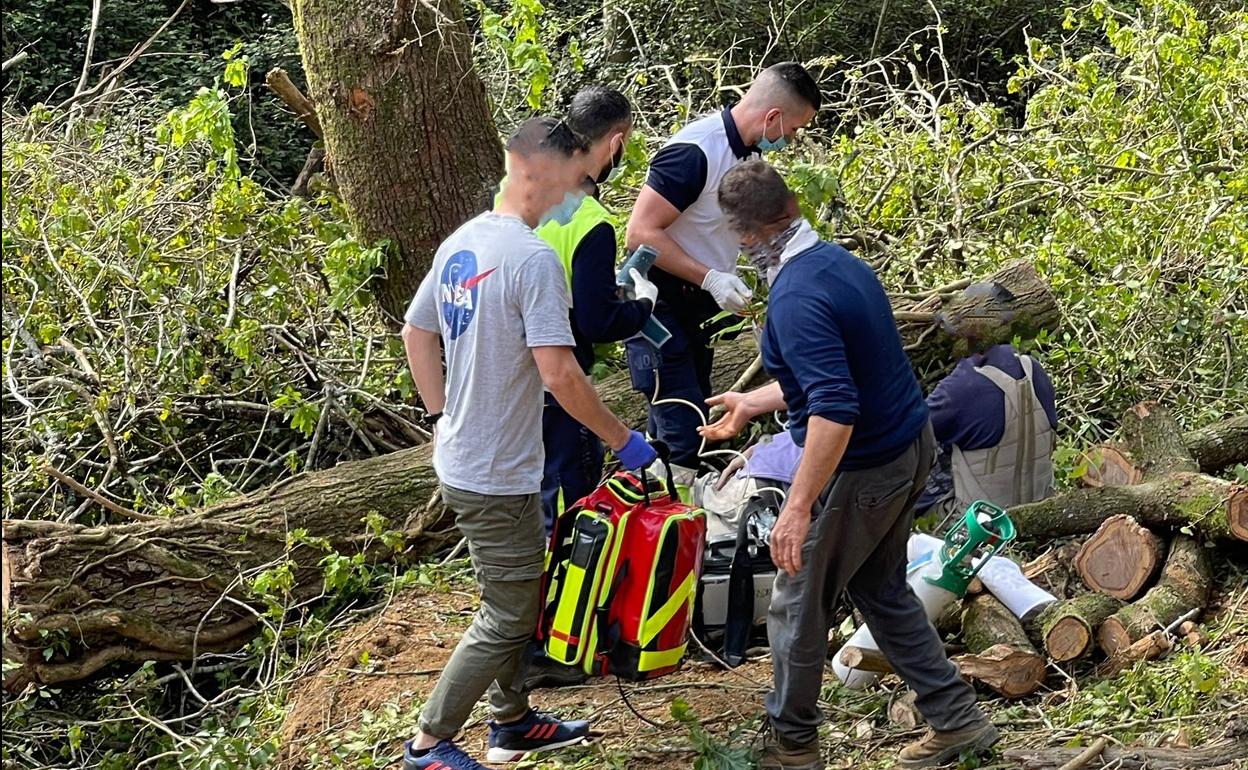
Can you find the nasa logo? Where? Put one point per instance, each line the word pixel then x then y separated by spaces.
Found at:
pixel 458 292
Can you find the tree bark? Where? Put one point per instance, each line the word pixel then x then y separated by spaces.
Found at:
pixel 1184 586
pixel 1220 445
pixel 1120 558
pixel 1149 647
pixel 1001 656
pixel 1136 758
pixel 1151 445
pixel 1068 628
pixel 169 588
pixel 407 125
pixel 1153 437
pixel 1217 509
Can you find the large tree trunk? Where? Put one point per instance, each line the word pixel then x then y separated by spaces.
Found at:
pixel 69 578
pixel 1220 445
pixel 1217 509
pixel 168 588
pixel 408 129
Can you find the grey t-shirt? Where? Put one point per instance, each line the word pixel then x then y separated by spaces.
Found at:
pixel 494 291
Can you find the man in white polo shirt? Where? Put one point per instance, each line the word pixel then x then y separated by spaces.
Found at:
pixel 678 214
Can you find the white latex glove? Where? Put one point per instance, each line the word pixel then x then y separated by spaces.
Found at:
pixel 642 288
pixel 729 291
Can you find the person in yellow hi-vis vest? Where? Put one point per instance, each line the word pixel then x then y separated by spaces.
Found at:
pixel 586 247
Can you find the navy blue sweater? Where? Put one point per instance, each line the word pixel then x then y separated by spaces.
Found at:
pixel 831 341
pixel 968 410
pixel 598 314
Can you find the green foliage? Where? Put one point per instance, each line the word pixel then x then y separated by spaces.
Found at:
pixel 272 142
pixel 515 36
pixel 711 752
pixel 1187 684
pixel 1124 184
pixel 156 295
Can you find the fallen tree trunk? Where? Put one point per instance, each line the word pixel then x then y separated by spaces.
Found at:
pixel 1220 445
pixel 1152 436
pixel 1218 509
pixel 1136 758
pixel 1068 628
pixel 1184 586
pixel 1000 654
pixel 170 588
pixel 1120 558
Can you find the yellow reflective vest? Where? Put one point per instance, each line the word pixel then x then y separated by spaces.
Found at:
pixel 565 238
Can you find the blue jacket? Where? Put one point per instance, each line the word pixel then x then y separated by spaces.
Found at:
pixel 831 342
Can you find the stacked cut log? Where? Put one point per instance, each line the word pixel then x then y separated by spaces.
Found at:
pixel 1140 491
pixel 169 588
pixel 999 653
pixel 1068 628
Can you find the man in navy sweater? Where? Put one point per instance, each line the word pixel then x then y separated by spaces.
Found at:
pixel 854 403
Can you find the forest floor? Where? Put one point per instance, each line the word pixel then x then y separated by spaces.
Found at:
pixel 356 709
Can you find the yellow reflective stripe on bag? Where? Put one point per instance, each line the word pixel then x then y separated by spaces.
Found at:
pixel 680 599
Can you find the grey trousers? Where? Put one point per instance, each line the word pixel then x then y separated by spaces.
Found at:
pixel 857 541
pixel 507 543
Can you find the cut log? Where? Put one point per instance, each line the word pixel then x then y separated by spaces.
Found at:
pixel 1151 444
pixel 1110 466
pixel 169 588
pixel 1184 585
pixel 1217 509
pixel 1155 441
pixel 1120 558
pixel 1000 654
pixel 1135 758
pixel 1150 647
pixel 1220 445
pixel 864 659
pixel 1068 628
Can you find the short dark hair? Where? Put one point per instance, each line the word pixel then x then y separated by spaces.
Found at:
pixel 798 82
pixel 753 195
pixel 596 110
pixel 545 135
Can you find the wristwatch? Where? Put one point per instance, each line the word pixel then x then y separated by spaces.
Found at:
pixel 430 421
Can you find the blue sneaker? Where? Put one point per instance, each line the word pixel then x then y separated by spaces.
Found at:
pixel 443 756
pixel 536 732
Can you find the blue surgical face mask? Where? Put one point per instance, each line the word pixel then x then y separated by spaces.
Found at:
pixel 767 145
pixel 563 211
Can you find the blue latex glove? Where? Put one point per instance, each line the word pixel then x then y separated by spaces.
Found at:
pixel 637 453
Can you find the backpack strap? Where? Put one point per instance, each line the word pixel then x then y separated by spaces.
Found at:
pixel 665 456
pixel 739 619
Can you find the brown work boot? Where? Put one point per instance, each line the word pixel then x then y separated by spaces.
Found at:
pixel 779 753
pixel 939 747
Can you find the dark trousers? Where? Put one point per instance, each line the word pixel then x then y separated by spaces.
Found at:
pixel 857 541
pixel 574 458
pixel 684 373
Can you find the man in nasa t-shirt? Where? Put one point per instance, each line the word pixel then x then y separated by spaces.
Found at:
pixel 496 299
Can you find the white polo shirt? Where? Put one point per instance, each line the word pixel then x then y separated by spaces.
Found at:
pixel 687 173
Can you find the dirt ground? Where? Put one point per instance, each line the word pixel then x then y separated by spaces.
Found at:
pixel 390 661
